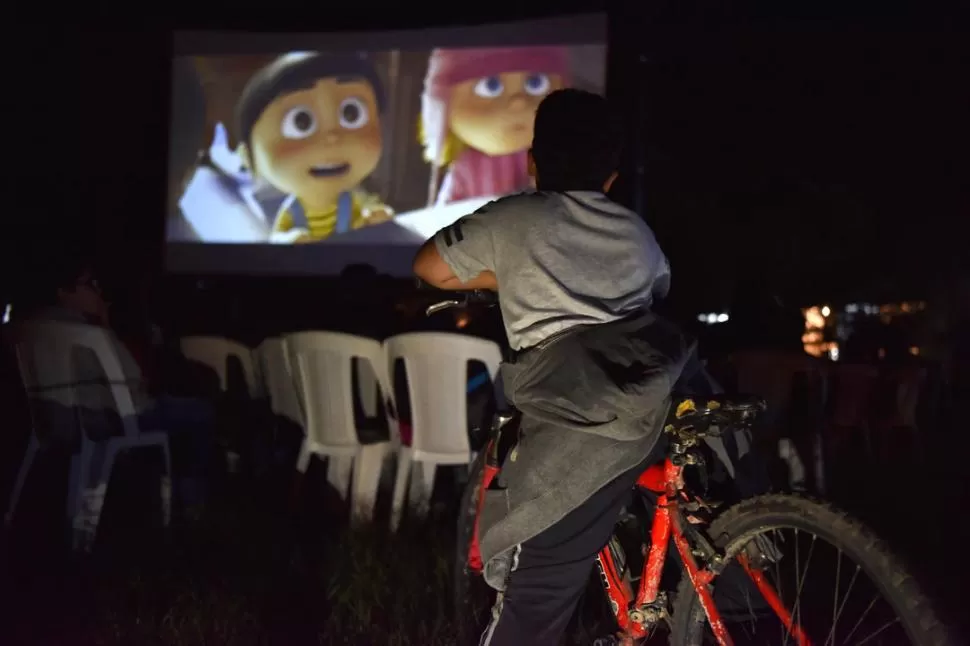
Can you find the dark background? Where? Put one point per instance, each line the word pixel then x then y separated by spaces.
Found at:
pixel 819 156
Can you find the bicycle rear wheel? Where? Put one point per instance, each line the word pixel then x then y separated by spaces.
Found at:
pixel 752 532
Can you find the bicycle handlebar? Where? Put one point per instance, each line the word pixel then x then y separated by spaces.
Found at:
pixel 463 299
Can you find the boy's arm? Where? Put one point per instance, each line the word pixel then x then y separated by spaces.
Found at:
pixel 460 256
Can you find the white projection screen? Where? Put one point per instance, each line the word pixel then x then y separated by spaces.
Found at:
pixel 299 154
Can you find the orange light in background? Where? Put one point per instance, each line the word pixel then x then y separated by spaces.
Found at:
pixel 813 340
pixel 914 351
pixel 830 348
pixel 461 319
pixel 812 336
pixel 814 349
pixel 814 319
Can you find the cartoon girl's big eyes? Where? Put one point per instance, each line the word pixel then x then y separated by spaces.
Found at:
pixel 537 84
pixel 489 87
pixel 353 113
pixel 298 123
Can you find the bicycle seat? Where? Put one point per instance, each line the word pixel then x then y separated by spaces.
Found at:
pixel 716 410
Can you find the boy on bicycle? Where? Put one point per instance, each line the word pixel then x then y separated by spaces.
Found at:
pixel 576 274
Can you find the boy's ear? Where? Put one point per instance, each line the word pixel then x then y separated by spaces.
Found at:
pixel 531 165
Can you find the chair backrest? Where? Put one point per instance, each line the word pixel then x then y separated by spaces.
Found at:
pixel 321 367
pixel 436 364
pixel 274 368
pixel 215 352
pixel 45 354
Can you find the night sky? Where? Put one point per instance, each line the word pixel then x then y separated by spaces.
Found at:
pixel 818 158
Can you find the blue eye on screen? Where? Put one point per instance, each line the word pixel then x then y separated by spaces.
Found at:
pixel 537 84
pixel 489 87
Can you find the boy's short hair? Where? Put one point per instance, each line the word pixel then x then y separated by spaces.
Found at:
pixel 298 71
pixel 577 141
pixel 187 118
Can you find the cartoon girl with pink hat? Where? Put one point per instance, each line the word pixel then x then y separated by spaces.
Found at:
pixel 477 112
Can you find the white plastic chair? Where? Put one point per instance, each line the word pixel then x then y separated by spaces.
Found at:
pixel 214 352
pixel 436 364
pixel 44 354
pixel 273 364
pixel 321 364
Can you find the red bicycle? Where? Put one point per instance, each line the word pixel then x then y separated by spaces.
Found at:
pixel 724 581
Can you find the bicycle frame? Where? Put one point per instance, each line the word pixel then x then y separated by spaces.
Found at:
pixel 637 614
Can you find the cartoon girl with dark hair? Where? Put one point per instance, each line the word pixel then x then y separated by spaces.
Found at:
pixel 477 111
pixel 310 126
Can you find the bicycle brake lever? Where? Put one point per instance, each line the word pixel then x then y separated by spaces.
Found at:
pixel 440 307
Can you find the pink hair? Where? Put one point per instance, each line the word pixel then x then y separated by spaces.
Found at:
pixel 449 67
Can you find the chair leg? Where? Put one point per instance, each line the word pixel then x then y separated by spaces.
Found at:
pixel 796 468
pixel 366 478
pixel 400 486
pixel 32 447
pixel 81 466
pixel 303 460
pixel 91 498
pixel 339 469
pixel 74 487
pixel 422 484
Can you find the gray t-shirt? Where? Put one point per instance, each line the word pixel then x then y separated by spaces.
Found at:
pixel 561 260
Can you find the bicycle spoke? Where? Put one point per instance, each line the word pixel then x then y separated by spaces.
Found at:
pixel 859 623
pixel 800 581
pixel 777 563
pixel 835 600
pixel 845 600
pixel 884 627
pixel 787 632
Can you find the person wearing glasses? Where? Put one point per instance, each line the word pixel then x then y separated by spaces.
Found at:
pixel 72 294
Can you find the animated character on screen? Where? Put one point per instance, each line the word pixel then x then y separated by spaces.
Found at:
pixel 477 111
pixel 310 126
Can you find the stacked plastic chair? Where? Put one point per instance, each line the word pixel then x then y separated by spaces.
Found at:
pixel 437 371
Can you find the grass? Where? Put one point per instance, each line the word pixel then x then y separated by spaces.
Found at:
pixel 252 571
pixel 258 571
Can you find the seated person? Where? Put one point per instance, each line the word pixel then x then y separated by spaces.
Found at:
pixel 76 297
